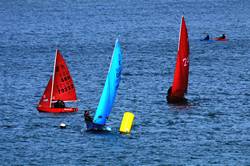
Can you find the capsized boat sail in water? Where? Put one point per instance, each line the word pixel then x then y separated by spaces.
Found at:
pixel 60 89
pixel 109 91
pixel 180 83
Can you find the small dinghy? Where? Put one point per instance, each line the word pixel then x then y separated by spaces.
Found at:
pixel 60 89
pixel 180 83
pixel 108 94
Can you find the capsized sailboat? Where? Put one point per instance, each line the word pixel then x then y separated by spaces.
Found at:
pixel 60 89
pixel 109 91
pixel 180 83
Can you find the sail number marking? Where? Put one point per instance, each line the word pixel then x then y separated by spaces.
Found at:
pixel 66 78
pixel 65 89
pixel 185 61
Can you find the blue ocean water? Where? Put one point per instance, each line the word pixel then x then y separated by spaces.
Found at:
pixel 212 130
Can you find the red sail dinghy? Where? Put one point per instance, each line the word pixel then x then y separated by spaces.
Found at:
pixel 60 89
pixel 180 83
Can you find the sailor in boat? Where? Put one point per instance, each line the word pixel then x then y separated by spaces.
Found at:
pixel 207 37
pixel 91 126
pixel 88 119
pixel 175 99
pixel 222 37
pixel 59 104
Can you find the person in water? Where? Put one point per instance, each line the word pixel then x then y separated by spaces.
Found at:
pixel 174 99
pixel 59 104
pixel 207 37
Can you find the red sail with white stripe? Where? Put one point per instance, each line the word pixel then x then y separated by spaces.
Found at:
pixel 180 82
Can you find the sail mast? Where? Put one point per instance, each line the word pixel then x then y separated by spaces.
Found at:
pixel 116 41
pixel 53 78
pixel 180 33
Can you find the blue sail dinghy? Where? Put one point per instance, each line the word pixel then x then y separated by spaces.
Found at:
pixel 108 94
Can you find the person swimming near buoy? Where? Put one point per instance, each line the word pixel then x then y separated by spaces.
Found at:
pixel 175 99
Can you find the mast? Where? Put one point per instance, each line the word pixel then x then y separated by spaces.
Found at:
pixel 180 33
pixel 116 41
pixel 53 77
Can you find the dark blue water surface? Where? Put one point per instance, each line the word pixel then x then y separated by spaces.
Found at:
pixel 213 129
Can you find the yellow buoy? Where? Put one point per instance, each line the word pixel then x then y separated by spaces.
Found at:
pixel 127 122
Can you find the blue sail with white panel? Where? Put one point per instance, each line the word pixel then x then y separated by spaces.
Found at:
pixel 110 88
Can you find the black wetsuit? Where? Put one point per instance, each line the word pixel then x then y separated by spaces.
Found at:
pixel 206 38
pixel 88 118
pixel 59 104
pixel 223 37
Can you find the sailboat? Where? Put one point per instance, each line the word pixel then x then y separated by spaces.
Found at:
pixel 109 92
pixel 180 83
pixel 221 38
pixel 60 89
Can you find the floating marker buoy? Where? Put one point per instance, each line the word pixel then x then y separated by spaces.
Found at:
pixel 108 128
pixel 127 122
pixel 62 125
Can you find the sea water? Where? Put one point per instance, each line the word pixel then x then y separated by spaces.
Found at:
pixel 212 129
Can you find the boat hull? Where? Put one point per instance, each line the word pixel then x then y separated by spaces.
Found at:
pixel 219 39
pixel 56 110
pixel 100 130
pixel 92 127
pixel 176 100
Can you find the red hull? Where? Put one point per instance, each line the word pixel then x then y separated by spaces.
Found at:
pixel 56 110
pixel 219 39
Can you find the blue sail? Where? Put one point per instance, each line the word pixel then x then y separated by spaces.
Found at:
pixel 110 88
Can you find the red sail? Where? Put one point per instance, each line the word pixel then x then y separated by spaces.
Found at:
pixel 180 82
pixel 45 99
pixel 63 88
